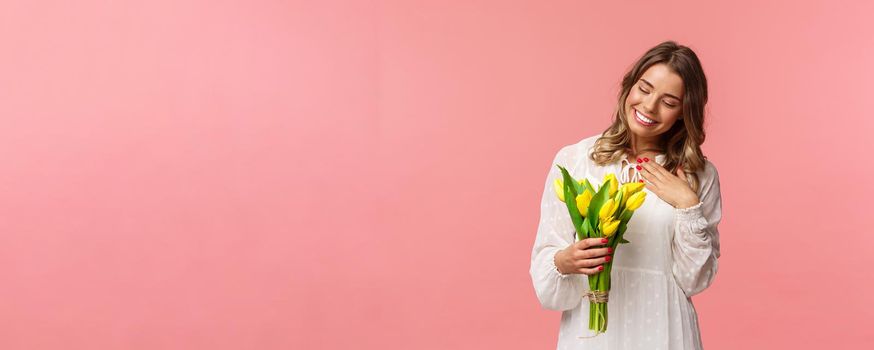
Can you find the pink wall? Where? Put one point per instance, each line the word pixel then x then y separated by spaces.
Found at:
pixel 341 174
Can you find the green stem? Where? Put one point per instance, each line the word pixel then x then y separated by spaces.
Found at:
pixel 591 315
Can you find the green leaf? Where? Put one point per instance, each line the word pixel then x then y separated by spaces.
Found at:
pixel 623 220
pixel 618 199
pixel 596 204
pixel 570 199
pixel 623 223
pixel 578 187
pixel 588 185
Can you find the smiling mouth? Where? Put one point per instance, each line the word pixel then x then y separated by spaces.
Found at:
pixel 643 119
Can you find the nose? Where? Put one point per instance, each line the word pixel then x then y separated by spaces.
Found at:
pixel 650 104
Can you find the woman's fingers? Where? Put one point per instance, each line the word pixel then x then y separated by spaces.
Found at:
pixel 589 256
pixel 656 168
pixel 651 172
pixel 591 262
pixel 591 253
pixel 647 175
pixel 653 182
pixel 590 242
pixel 591 271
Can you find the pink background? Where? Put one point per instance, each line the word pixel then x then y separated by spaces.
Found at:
pixel 342 174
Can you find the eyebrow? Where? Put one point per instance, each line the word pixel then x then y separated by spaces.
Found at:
pixel 650 85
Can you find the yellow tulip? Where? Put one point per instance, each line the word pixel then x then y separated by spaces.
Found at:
pixel 559 188
pixel 620 194
pixel 610 180
pixel 608 209
pixel 628 189
pixel 608 228
pixel 632 187
pixel 636 200
pixel 583 201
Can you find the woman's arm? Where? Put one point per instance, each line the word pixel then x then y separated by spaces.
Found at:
pixel 695 245
pixel 556 291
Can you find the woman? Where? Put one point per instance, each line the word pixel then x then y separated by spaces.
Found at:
pixel 655 138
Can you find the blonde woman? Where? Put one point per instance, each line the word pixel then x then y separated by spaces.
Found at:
pixel 655 137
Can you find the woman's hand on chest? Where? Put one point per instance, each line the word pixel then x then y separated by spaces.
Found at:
pixel 671 188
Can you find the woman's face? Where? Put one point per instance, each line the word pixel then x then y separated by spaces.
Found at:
pixel 658 95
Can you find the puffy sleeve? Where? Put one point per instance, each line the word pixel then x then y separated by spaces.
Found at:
pixel 695 245
pixel 556 291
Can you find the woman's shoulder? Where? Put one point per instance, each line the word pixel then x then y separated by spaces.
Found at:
pixel 708 170
pixel 708 177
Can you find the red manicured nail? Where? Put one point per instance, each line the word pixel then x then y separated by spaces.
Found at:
pixel 607 258
pixel 638 167
pixel 641 180
pixel 638 160
pixel 645 159
pixel 604 240
pixel 601 268
pixel 609 250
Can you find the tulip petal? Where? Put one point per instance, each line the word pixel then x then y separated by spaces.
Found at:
pixel 558 186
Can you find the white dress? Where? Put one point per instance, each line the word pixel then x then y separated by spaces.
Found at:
pixel 672 256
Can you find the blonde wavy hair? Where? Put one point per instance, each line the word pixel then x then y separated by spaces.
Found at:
pixel 682 143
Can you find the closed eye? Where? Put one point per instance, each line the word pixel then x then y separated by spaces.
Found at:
pixel 646 92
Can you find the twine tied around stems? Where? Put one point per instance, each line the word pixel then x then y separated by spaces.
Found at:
pixel 596 296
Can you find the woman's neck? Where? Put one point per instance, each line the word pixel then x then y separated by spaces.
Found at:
pixel 644 147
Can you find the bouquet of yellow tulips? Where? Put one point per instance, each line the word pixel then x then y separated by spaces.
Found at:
pixel 595 213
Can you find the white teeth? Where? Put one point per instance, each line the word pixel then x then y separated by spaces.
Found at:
pixel 644 118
